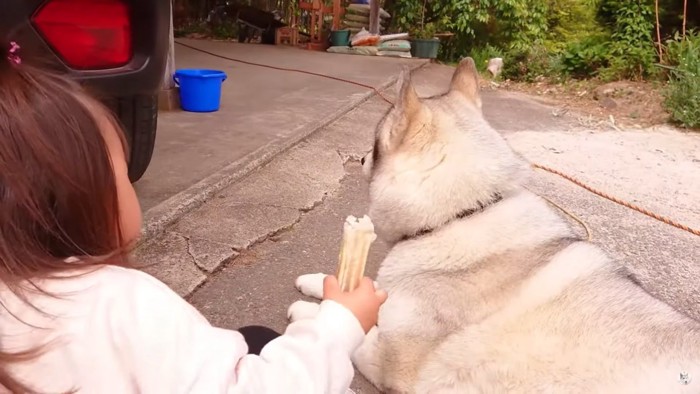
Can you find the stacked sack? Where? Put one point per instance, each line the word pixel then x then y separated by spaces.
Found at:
pixel 361 43
pixel 356 18
pixel 394 45
pixel 364 43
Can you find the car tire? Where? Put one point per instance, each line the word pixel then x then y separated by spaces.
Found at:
pixel 139 118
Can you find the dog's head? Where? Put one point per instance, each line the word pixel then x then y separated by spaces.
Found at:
pixel 436 157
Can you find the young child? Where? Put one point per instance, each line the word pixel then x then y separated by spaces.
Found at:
pixel 75 318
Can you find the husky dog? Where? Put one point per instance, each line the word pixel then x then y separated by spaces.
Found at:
pixel 489 290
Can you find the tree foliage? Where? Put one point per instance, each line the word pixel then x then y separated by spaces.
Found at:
pixel 580 38
pixel 516 22
pixel 631 24
pixel 683 91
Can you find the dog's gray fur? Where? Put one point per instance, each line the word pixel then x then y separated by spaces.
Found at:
pixel 504 300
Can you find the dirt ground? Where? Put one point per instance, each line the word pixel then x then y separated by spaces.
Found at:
pixel 624 104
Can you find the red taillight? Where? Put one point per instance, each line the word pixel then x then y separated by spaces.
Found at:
pixel 87 34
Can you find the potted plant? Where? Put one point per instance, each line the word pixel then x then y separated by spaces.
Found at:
pixel 424 44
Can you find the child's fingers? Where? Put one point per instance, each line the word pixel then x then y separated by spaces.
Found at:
pixel 366 283
pixel 330 286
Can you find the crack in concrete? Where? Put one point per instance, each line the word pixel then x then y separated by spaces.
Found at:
pixel 269 237
pixel 188 246
pixel 251 204
pixel 315 204
pixel 347 157
pixel 260 240
pixel 283 229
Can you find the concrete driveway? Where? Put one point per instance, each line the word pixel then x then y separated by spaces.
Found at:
pixel 655 168
pixel 262 111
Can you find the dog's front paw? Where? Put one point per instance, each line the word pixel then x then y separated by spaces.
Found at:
pixel 311 285
pixel 302 310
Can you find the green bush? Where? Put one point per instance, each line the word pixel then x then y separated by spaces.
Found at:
pixel 426 32
pixel 585 57
pixel 408 14
pixel 571 21
pixel 608 39
pixel 682 95
pixel 224 30
pixel 510 23
pixel 631 23
pixel 190 27
pixel 529 63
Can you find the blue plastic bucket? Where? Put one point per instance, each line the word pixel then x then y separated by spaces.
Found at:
pixel 200 90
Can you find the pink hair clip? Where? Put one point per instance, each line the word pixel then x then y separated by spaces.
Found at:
pixel 13 55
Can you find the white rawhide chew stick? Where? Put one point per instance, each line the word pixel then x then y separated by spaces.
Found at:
pixel 358 235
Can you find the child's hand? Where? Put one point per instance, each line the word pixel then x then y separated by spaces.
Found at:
pixel 363 302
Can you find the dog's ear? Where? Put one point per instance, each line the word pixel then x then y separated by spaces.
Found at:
pixel 466 81
pixel 407 100
pixel 408 108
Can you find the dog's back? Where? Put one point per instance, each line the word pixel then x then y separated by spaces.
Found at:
pixel 489 289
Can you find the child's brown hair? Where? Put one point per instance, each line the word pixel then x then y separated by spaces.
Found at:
pixel 58 196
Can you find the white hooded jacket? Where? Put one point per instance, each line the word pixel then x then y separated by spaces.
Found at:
pixel 117 330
